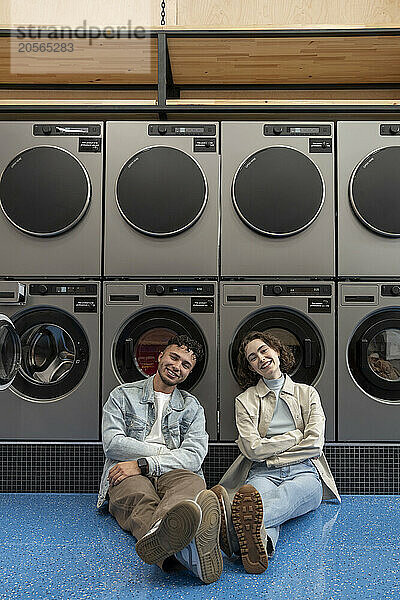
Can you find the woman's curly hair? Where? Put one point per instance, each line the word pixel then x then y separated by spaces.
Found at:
pixel 247 377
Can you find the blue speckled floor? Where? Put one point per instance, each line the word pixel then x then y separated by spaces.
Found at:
pixel 57 546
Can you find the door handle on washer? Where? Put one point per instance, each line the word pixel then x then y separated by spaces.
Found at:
pixel 128 353
pixel 308 361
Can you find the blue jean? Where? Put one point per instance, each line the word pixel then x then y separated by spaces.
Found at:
pixel 286 492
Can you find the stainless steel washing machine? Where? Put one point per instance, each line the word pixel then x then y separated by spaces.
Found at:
pixel 50 199
pixel 302 315
pixel 140 318
pixel 49 354
pixel 369 361
pixel 162 197
pixel 369 198
pixel 278 216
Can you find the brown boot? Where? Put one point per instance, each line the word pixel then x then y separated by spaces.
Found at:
pixel 247 517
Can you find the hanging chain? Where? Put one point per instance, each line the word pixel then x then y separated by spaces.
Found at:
pixel 163 13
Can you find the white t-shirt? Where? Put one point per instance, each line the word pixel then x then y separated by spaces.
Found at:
pixel 156 435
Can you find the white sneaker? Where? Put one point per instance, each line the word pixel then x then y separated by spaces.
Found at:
pixel 203 556
pixel 171 533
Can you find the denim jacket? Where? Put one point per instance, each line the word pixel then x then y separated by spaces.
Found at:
pixel 128 417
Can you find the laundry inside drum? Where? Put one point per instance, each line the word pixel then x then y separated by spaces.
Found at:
pixel 148 348
pixel 384 354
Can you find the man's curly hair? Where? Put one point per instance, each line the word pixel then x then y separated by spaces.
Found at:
pixel 247 377
pixel 184 341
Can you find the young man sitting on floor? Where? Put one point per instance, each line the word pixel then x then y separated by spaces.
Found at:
pixel 155 441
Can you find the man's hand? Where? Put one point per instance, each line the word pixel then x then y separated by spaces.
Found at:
pixel 123 470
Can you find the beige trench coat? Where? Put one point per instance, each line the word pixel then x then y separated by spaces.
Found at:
pixel 254 409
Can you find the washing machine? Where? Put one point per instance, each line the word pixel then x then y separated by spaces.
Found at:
pixel 277 200
pixel 369 198
pixel 50 199
pixel 302 315
pixel 369 361
pixel 140 318
pixel 49 355
pixel 162 197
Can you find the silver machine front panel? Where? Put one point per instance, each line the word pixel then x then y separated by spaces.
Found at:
pixel 369 361
pixel 50 199
pixel 162 199
pixel 277 199
pixel 301 314
pixel 55 392
pixel 140 318
pixel 368 198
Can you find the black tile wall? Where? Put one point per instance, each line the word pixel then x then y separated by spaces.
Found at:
pixel 50 467
pixel 365 469
pixel 76 468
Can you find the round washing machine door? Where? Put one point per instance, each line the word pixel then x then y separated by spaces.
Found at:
pixel 373 355
pixel 55 354
pixel 161 191
pixel 10 352
pixel 375 191
pixel 145 335
pixel 278 191
pixel 44 191
pixel 294 330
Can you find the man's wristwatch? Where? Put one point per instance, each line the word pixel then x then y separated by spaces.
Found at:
pixel 143 466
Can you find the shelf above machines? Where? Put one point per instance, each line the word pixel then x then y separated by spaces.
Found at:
pixel 336 68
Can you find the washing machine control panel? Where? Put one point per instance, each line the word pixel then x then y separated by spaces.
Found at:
pixel 297 130
pixel 55 129
pixel 164 289
pixel 176 130
pixel 60 289
pixel 297 290
pixel 390 290
pixel 390 129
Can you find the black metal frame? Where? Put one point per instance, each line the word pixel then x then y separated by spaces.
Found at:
pixel 167 89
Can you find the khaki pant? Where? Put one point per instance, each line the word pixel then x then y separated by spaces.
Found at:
pixel 138 502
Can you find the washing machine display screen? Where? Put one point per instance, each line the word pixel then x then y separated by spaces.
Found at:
pixel 148 348
pixel 10 353
pixel 48 354
pixel 304 130
pixel 161 191
pixel 375 191
pixel 278 191
pixel 44 191
pixel 384 354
